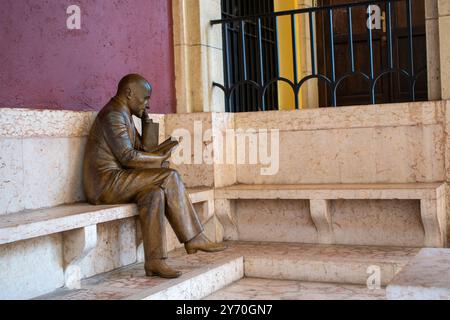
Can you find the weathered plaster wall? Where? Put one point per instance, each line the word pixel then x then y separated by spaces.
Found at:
pixel 45 65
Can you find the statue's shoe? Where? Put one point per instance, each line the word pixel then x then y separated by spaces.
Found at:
pixel 157 267
pixel 203 244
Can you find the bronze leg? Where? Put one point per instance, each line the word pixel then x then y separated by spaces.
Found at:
pixel 180 211
pixel 151 215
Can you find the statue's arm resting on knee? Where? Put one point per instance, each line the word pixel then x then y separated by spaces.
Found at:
pixel 117 134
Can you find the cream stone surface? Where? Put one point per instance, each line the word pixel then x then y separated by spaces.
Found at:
pixel 426 277
pixel 35 223
pixel 269 289
pixel 226 213
pixel 433 55
pixel 321 216
pixel 53 143
pixel 332 191
pixel 199 67
pixel 195 173
pixel 435 229
pixel 21 123
pixel 12 176
pixel 197 284
pixel 78 244
pixel 363 219
pixel 444 8
pixel 446 123
pixel 275 220
pixel 327 270
pixel 276 260
pixel 371 146
pixel 378 222
pixel 192 23
pixel 360 155
pixel 444 42
pixel 61 160
pixel 31 268
pixel 431 9
pixel 385 115
pixel 224 168
pixel 116 247
pixel 197 55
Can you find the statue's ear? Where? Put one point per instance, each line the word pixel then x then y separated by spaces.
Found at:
pixel 128 93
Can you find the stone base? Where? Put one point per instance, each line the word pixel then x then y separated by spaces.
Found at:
pixel 205 273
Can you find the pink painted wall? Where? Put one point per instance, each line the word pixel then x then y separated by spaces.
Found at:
pixel 45 65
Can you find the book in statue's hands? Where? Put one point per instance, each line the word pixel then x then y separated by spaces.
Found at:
pixel 165 146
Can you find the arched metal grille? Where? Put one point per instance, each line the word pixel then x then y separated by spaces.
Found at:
pixel 251 52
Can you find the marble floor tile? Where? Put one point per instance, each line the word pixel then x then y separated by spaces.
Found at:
pixel 264 289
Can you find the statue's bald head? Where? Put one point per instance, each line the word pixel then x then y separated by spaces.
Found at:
pixel 131 80
pixel 136 91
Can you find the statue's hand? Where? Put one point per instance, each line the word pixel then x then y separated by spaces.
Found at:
pixel 145 116
pixel 166 155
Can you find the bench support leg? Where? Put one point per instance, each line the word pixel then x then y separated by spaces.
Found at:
pixel 78 244
pixel 226 214
pixel 320 214
pixel 434 219
pixel 139 242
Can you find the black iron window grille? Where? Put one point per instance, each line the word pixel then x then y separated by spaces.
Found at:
pixel 251 53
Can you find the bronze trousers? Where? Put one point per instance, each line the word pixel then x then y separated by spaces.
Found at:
pixel 158 193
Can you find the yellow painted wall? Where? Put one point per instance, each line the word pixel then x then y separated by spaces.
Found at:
pixel 285 95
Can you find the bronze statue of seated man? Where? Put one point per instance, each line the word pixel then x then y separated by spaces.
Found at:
pixel 119 168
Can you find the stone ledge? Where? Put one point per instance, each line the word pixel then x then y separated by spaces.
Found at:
pixel 333 191
pixel 382 115
pixel 31 123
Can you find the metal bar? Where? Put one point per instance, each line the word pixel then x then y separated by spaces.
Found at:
pixel 226 62
pixel 236 76
pixel 278 47
pixel 294 53
pixel 305 10
pixel 411 48
pixel 312 44
pixel 332 60
pixel 244 53
pixel 372 73
pixel 370 43
pixel 261 64
pixel 350 38
pixel 389 34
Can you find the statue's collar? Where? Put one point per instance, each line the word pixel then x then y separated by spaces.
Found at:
pixel 120 103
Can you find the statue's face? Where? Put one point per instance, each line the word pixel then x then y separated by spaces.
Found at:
pixel 140 98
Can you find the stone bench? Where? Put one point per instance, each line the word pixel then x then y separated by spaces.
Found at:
pixel 78 224
pixel 431 195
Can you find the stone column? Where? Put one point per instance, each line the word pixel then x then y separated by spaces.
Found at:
pixel 198 55
pixel 433 52
pixel 310 98
pixel 444 43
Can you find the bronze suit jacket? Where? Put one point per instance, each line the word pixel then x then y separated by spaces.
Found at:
pixel 113 146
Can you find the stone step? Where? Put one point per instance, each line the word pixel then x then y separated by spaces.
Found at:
pixel 269 289
pixel 425 277
pixel 204 274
